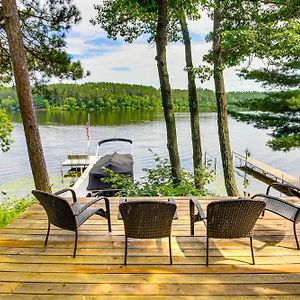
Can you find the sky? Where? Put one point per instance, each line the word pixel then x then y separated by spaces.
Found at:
pixel 120 62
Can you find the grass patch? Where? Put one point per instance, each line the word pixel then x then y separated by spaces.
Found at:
pixel 12 208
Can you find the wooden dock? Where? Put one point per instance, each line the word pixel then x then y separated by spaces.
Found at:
pixel 84 163
pixel 78 160
pixel 80 186
pixel 266 170
pixel 28 270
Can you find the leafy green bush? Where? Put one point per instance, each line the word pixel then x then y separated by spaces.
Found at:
pixel 11 208
pixel 285 143
pixel 5 131
pixel 159 181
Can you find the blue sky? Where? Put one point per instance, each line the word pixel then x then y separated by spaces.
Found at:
pixel 117 61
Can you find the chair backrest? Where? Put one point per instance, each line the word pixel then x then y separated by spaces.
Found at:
pixel 232 218
pixel 147 219
pixel 58 210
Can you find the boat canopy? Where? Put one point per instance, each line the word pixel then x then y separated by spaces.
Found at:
pixel 118 163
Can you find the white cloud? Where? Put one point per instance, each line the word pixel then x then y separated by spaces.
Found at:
pixel 138 60
pixel 86 8
pixel 204 25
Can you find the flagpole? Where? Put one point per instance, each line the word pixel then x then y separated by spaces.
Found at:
pixel 88 131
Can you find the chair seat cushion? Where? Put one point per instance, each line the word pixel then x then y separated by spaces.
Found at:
pixel 87 213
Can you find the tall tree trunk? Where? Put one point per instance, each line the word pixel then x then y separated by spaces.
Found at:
pixel 223 131
pixel 161 41
pixel 19 63
pixel 193 101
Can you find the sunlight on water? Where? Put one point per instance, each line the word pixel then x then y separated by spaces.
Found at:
pixel 63 133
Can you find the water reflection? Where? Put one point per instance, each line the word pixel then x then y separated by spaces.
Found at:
pixel 99 118
pixel 63 132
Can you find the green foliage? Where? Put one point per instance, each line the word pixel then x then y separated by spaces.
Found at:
pixel 204 73
pixel 282 108
pixel 269 31
pixel 294 102
pixel 285 143
pixel 5 131
pixel 72 174
pixel 130 19
pixel 281 76
pixel 44 28
pixel 283 101
pixel 8 98
pixel 285 128
pixel 40 103
pixel 10 103
pixel 159 181
pixel 264 29
pixel 100 96
pixel 125 18
pixel 116 96
pixel 11 208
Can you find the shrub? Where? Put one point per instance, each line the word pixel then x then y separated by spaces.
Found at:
pixel 11 208
pixel 158 181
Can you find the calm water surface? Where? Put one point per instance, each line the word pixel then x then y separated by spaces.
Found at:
pixel 63 133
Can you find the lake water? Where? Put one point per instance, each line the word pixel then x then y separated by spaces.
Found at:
pixel 64 132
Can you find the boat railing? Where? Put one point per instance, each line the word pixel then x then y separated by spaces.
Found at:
pixel 101 142
pixel 210 161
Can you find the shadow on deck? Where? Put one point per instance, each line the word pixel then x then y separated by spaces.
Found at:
pixel 28 270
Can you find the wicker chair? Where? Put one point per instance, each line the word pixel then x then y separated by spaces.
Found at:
pixel 63 215
pixel 281 207
pixel 147 220
pixel 227 219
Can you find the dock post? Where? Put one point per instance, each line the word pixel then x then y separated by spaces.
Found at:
pixel 61 172
pixel 247 154
pixel 215 166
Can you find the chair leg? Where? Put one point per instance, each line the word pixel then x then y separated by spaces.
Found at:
pixel 252 252
pixel 107 213
pixel 125 257
pixel 192 218
pixel 48 231
pixel 75 245
pixel 295 233
pixel 170 250
pixel 207 249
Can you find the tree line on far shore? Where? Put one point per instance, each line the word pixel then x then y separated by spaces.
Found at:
pixel 116 96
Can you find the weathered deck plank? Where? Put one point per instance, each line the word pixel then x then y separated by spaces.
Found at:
pixel 28 270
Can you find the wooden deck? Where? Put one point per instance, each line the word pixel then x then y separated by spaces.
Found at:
pixel 28 270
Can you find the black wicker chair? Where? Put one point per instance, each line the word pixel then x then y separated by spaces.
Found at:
pixel 227 219
pixel 69 216
pixel 147 220
pixel 281 207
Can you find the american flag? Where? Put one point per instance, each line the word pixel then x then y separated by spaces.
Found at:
pixel 88 130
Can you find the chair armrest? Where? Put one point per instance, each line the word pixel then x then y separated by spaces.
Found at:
pixel 199 208
pixel 121 200
pixel 280 206
pixel 259 195
pixel 274 198
pixel 288 186
pixel 67 190
pixel 172 200
pixel 83 208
